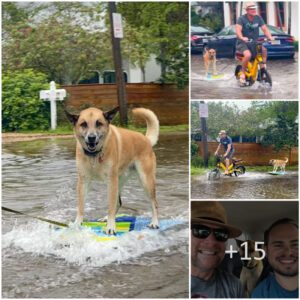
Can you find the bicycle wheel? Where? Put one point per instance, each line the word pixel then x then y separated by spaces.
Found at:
pixel 238 69
pixel 214 174
pixel 239 170
pixel 266 77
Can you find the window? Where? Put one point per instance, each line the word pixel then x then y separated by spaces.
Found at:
pixel 262 10
pixel 233 12
pixel 110 77
pixel 280 18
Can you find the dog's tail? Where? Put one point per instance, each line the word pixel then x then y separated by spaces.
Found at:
pixel 152 123
pixel 286 160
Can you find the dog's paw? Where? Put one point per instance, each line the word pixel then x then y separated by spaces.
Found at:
pixel 110 231
pixel 78 221
pixel 153 226
pixel 111 227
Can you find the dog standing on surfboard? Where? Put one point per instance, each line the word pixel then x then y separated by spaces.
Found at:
pixel 105 152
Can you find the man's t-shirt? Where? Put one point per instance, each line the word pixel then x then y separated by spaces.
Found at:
pixel 225 142
pixel 221 285
pixel 250 29
pixel 270 288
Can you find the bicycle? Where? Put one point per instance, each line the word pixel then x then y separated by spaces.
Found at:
pixel 235 168
pixel 253 71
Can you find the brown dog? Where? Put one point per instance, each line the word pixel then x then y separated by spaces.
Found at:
pixel 105 151
pixel 209 58
pixel 279 163
pixel 252 268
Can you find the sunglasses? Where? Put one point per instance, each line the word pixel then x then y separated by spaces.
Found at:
pixel 203 232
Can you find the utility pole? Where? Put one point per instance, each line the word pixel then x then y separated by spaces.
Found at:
pixel 116 35
pixel 203 114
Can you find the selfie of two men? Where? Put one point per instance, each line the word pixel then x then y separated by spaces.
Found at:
pixel 244 249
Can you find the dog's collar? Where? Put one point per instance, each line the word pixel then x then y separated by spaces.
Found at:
pixel 95 153
pixel 250 268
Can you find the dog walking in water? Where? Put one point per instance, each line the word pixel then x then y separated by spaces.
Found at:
pixel 105 152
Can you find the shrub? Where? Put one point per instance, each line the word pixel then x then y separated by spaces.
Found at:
pixel 21 107
pixel 197 162
pixel 194 148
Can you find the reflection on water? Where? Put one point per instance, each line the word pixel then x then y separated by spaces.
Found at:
pixel 39 178
pixel 251 185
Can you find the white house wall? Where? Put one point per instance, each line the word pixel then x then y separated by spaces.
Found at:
pixel 135 74
pixel 153 71
pixel 295 18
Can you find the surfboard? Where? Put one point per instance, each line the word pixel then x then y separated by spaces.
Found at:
pixel 125 224
pixel 214 77
pixel 277 173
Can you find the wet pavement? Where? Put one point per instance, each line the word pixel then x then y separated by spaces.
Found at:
pixel 251 185
pixel 39 178
pixel 284 74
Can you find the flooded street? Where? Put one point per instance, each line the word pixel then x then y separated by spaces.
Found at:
pixel 251 185
pixel 284 74
pixel 39 178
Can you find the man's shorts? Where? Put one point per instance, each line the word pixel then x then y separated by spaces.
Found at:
pixel 230 154
pixel 242 46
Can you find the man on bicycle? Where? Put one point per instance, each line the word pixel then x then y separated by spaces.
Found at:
pixel 226 141
pixel 247 28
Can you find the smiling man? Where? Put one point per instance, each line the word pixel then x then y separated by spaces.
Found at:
pixel 281 244
pixel 209 233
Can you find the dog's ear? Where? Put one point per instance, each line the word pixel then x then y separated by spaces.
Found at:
pixel 109 115
pixel 239 242
pixel 72 118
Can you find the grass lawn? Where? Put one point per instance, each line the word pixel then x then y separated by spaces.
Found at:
pixel 202 171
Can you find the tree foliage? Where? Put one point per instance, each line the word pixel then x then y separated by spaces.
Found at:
pixel 21 107
pixel 212 20
pixel 282 131
pixel 67 40
pixel 60 39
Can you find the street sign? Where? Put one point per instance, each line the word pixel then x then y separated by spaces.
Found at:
pixel 203 110
pixel 117 24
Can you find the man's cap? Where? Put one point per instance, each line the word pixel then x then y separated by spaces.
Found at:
pixel 222 132
pixel 212 212
pixel 250 5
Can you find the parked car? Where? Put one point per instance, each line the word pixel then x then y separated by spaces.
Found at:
pixel 197 35
pixel 224 42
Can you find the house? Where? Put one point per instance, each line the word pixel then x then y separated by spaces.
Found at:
pixel 132 74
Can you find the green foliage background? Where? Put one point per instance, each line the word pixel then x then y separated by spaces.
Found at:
pixel 21 107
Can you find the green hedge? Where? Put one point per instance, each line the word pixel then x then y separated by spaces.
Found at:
pixel 21 107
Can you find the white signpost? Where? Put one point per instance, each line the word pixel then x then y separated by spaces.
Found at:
pixel 53 95
pixel 203 110
pixel 117 24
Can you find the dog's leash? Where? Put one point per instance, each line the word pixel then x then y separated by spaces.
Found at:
pixel 34 217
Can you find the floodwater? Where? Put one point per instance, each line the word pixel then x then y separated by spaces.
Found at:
pixel 284 73
pixel 39 178
pixel 251 185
